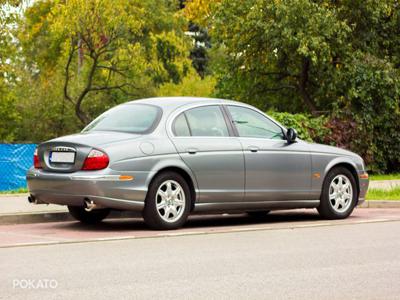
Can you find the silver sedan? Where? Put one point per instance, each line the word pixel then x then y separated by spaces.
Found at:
pixel 168 157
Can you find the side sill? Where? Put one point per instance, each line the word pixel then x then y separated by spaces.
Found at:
pixel 231 206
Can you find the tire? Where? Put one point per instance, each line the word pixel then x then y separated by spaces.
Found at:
pixel 340 206
pixel 88 217
pixel 166 208
pixel 258 213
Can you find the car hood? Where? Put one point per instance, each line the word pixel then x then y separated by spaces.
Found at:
pixel 96 138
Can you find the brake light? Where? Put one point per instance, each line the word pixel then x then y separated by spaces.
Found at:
pixel 36 162
pixel 96 160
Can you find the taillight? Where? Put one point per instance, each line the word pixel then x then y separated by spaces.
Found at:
pixel 96 160
pixel 36 162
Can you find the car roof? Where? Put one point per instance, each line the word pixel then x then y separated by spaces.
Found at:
pixel 170 104
pixel 174 102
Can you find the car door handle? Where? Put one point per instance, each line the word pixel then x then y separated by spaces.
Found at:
pixel 253 148
pixel 191 150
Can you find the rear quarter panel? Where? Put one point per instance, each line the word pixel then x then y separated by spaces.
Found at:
pixel 149 154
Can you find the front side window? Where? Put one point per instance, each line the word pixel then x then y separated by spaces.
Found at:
pixel 133 118
pixel 206 121
pixel 250 123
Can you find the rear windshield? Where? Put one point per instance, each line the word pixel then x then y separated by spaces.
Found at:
pixel 134 118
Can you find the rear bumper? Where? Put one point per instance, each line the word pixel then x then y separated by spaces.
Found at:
pixel 102 187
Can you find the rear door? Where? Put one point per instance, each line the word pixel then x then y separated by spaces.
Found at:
pixel 275 170
pixel 205 141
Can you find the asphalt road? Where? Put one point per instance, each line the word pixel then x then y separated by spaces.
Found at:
pixel 333 261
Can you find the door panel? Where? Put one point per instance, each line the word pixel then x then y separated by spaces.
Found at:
pixel 276 170
pixel 218 165
pixel 203 140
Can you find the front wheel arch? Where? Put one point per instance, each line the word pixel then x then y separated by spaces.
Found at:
pixel 349 167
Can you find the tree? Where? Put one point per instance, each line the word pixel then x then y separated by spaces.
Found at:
pixel 276 49
pixel 340 58
pixel 191 85
pixel 106 50
pixel 9 115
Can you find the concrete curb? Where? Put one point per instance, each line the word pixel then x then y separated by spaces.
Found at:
pixel 15 195
pixel 384 184
pixel 44 217
pixel 381 204
pixel 37 217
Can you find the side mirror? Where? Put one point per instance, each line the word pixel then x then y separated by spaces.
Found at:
pixel 291 135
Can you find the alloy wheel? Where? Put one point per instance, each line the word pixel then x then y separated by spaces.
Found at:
pixel 170 201
pixel 340 193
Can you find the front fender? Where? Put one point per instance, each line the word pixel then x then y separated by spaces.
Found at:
pixel 339 160
pixel 322 164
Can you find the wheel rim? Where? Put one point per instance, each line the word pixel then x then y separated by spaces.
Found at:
pixel 170 201
pixel 340 193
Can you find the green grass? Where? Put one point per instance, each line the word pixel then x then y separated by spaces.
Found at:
pixel 384 176
pixel 378 194
pixel 18 191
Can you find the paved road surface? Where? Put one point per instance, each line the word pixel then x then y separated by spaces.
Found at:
pixel 74 232
pixel 287 255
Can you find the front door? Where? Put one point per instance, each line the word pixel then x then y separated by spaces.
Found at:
pixel 274 169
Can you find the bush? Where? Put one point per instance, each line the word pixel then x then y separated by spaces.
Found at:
pixel 311 129
pixel 376 140
pixel 372 105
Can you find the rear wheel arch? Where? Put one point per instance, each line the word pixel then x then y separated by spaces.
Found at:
pixel 185 176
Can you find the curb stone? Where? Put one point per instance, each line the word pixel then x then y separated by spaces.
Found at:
pixel 381 204
pixel 44 217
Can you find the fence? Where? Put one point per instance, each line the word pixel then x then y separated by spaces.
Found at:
pixel 15 160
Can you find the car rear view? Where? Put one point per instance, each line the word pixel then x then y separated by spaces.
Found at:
pixel 83 170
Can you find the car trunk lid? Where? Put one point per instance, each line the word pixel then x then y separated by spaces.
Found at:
pixel 67 154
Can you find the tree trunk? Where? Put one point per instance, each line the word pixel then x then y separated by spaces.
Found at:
pixel 302 87
pixel 81 115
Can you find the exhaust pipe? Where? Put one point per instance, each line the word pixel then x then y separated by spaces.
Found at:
pixel 89 205
pixel 32 200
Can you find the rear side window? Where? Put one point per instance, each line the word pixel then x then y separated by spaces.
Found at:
pixel 207 121
pixel 201 121
pixel 181 127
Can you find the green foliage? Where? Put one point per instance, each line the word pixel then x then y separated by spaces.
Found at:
pixel 378 194
pixel 191 85
pixel 44 113
pixel 276 52
pixel 9 114
pixel 311 129
pixel 372 103
pixel 18 191
pixel 101 53
pixel 393 176
pixel 341 58
pixel 9 117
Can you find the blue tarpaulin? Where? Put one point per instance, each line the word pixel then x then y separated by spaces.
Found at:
pixel 15 160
